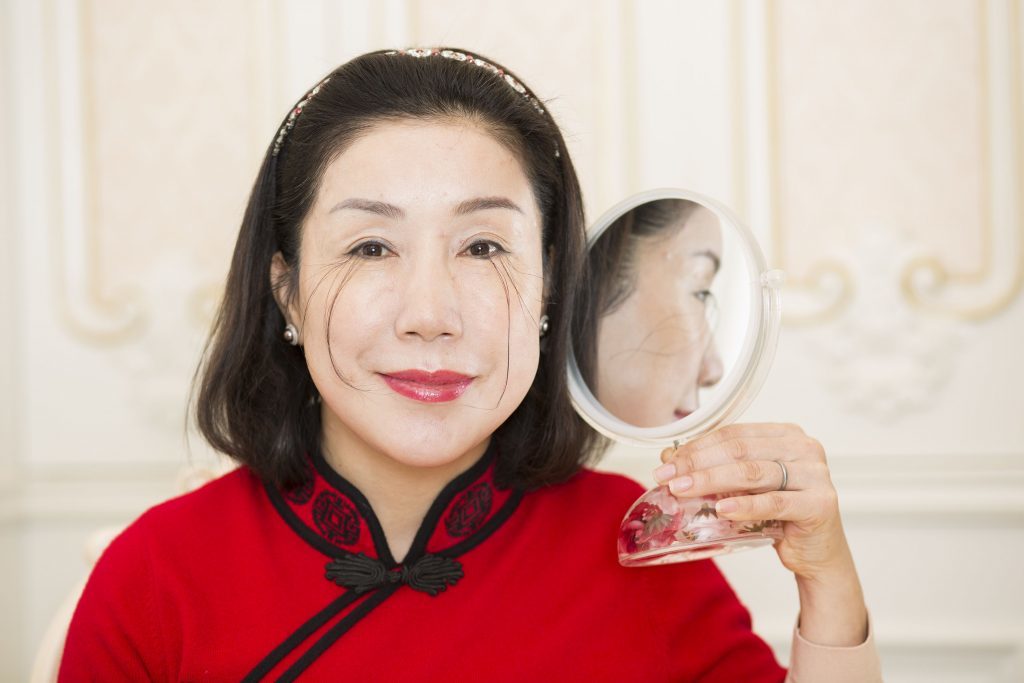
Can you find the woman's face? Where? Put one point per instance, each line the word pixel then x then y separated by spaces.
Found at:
pixel 420 284
pixel 655 350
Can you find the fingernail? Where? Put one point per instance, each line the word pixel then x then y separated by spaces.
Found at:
pixel 665 472
pixel 680 484
pixel 726 506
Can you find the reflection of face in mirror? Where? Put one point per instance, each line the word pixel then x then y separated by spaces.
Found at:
pixel 653 271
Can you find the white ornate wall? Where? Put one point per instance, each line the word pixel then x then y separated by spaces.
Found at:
pixel 875 148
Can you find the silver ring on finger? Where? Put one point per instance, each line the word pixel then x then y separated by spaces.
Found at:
pixel 785 476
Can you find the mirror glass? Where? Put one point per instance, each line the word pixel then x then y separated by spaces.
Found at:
pixel 675 332
pixel 679 315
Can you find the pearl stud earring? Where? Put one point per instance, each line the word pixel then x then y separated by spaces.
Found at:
pixel 291 334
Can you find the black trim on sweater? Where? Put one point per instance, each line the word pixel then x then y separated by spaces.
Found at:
pixel 379 595
pixel 298 526
pixel 300 635
pixel 336 632
pixel 380 543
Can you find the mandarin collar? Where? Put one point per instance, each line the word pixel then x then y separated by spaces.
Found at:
pixel 333 516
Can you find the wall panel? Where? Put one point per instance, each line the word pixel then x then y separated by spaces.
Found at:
pixel 875 148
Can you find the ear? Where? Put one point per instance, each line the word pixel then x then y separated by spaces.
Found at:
pixel 280 284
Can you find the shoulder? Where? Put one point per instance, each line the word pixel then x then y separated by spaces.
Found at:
pixel 593 488
pixel 580 521
pixel 123 625
pixel 590 482
pixel 229 495
pixel 190 519
pixel 687 602
pixel 168 533
pixel 600 498
pixel 593 504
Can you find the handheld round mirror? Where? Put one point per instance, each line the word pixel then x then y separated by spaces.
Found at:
pixel 677 330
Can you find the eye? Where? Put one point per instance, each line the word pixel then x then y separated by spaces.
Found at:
pixel 484 249
pixel 704 296
pixel 369 250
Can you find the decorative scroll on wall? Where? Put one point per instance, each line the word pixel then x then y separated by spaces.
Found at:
pixel 888 134
pixel 892 179
pixel 149 144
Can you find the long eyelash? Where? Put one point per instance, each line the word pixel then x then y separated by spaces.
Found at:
pixel 519 294
pixel 508 328
pixel 330 316
pixel 312 293
pixel 335 270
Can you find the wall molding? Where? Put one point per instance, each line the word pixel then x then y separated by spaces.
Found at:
pixel 898 489
pixel 86 308
pixel 999 78
pixel 901 489
pixel 99 491
pixel 925 283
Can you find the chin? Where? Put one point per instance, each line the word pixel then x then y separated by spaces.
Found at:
pixel 430 452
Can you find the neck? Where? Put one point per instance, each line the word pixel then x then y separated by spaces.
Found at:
pixel 399 493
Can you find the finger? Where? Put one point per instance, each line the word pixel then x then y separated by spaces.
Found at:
pixel 687 459
pixel 790 506
pixel 748 429
pixel 736 431
pixel 751 476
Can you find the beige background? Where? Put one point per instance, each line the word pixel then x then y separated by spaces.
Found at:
pixel 875 148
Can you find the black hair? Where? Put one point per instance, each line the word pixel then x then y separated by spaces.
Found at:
pixel 256 399
pixel 610 273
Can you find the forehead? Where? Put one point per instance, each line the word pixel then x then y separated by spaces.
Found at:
pixel 700 230
pixel 681 250
pixel 421 164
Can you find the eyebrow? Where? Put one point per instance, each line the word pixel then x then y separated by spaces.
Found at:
pixel 711 255
pixel 396 212
pixel 370 206
pixel 484 203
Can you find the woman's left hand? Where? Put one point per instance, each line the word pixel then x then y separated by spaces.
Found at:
pixel 740 458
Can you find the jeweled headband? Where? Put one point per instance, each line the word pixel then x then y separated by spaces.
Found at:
pixel 289 123
pixel 465 57
pixel 413 52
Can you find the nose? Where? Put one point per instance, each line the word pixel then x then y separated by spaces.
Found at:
pixel 429 306
pixel 711 369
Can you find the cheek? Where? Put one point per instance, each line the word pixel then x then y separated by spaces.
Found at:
pixel 677 327
pixel 501 308
pixel 345 309
pixel 671 339
pixel 500 313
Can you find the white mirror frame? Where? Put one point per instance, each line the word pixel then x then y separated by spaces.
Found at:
pixel 752 364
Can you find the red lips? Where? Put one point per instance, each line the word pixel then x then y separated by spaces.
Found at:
pixel 429 387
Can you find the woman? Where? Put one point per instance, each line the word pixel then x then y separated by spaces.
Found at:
pixel 388 366
pixel 651 273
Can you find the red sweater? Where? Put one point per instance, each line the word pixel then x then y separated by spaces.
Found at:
pixel 237 581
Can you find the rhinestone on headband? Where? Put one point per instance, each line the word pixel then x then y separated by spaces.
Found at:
pixel 464 57
pixel 290 121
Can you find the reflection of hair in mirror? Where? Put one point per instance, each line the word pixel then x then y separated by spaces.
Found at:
pixel 611 272
pixel 256 399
